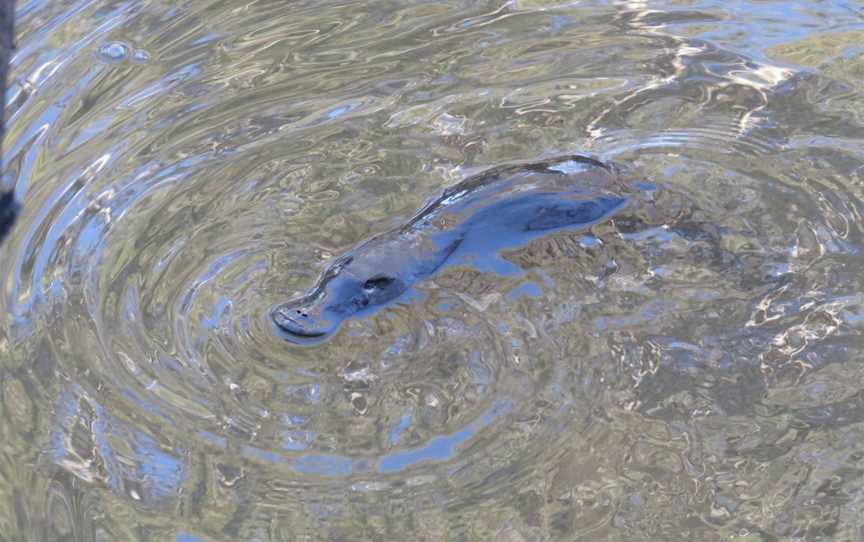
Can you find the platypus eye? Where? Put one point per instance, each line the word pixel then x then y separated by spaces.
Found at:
pixel 378 282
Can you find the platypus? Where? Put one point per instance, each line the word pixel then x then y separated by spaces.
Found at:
pixel 469 224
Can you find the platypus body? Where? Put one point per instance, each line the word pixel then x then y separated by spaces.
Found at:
pixel 469 224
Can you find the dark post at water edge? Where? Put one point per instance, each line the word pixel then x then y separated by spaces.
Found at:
pixel 8 206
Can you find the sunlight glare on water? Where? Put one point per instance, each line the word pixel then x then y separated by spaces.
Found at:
pixel 689 369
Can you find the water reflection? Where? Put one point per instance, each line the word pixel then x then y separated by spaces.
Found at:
pixel 684 370
pixel 440 448
pixel 96 447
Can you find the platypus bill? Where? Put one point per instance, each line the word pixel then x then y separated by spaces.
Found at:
pixel 469 224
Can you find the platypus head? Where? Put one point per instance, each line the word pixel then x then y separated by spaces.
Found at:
pixel 344 290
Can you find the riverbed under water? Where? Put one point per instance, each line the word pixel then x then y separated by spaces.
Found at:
pixel 690 373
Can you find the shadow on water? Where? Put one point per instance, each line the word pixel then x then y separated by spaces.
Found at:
pixel 680 367
pixel 8 213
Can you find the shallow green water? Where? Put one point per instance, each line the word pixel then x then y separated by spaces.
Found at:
pixel 691 370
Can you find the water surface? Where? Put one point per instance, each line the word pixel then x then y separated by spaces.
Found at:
pixel 689 370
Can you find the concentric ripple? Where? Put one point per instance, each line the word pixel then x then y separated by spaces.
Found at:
pixel 683 371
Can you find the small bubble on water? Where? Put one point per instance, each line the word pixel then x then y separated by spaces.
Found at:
pixel 114 52
pixel 141 56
